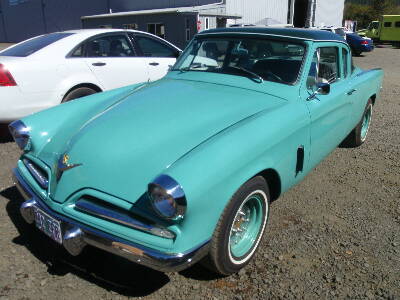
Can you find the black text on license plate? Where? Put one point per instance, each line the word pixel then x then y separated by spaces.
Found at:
pixel 48 225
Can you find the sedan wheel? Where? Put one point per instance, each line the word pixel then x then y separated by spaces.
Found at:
pixel 240 228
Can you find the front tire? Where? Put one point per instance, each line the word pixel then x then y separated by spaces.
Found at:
pixel 359 134
pixel 240 228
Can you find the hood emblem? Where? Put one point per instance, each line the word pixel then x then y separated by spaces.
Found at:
pixel 64 165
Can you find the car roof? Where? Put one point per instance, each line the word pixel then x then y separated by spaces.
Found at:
pixel 295 33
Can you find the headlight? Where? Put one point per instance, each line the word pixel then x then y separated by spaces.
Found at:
pixel 167 197
pixel 20 133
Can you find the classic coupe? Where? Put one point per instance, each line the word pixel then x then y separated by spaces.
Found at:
pixel 58 67
pixel 183 170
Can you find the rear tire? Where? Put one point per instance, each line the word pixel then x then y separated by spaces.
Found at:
pixel 78 93
pixel 359 134
pixel 240 228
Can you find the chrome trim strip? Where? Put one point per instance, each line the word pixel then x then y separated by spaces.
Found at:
pixel 164 262
pixel 122 218
pixel 37 174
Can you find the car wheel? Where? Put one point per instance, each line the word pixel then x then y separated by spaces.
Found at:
pixel 359 134
pixel 240 228
pixel 356 52
pixel 78 93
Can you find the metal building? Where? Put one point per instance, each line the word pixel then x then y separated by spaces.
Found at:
pixel 176 20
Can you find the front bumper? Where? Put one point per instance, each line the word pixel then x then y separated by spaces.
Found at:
pixel 77 235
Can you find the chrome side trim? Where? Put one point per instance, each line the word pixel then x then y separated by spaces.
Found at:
pixel 122 218
pixel 37 174
pixel 164 262
pixel 368 71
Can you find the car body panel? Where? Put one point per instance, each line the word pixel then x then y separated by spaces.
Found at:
pixel 211 132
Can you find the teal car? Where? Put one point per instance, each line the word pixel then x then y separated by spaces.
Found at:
pixel 183 170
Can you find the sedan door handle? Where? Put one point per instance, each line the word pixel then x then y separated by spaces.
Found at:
pixel 98 64
pixel 154 64
pixel 351 92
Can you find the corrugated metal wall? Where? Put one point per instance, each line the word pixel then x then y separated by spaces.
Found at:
pixel 25 19
pixel 329 13
pixel 256 10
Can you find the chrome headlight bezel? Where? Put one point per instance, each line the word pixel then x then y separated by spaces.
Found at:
pixel 166 193
pixel 21 134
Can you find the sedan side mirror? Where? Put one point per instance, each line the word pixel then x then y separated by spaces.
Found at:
pixel 322 89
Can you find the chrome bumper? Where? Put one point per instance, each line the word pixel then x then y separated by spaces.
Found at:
pixel 77 235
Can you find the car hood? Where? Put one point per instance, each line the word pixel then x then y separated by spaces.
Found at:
pixel 122 149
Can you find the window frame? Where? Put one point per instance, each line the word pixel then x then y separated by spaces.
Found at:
pixel 97 36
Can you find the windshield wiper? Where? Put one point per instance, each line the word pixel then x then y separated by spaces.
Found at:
pixel 254 75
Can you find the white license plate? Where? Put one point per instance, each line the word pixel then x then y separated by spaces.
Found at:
pixel 50 226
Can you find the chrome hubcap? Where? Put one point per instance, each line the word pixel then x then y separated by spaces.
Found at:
pixel 240 225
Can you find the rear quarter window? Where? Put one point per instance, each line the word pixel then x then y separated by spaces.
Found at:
pixel 31 46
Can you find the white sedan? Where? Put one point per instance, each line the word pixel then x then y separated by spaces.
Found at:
pixel 53 68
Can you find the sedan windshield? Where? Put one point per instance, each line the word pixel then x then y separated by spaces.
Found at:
pixel 255 58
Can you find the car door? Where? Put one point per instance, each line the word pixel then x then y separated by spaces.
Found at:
pixel 157 54
pixel 330 113
pixel 113 60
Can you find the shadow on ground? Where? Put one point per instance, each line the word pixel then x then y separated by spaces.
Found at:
pixel 5 136
pixel 96 266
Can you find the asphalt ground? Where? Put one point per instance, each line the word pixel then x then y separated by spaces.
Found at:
pixel 334 235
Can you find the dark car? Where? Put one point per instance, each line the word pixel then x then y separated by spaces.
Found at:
pixel 359 44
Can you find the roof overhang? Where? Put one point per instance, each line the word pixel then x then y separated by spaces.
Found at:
pixel 212 10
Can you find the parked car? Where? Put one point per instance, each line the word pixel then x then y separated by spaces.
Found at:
pixel 183 169
pixel 53 68
pixel 359 44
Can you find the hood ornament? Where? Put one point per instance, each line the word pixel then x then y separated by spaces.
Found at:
pixel 64 165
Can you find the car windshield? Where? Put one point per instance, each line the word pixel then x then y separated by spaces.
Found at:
pixel 258 59
pixel 33 45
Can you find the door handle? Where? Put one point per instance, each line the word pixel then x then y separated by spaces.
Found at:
pixel 154 64
pixel 98 64
pixel 351 92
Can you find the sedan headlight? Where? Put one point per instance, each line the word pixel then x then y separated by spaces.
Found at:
pixel 167 197
pixel 20 133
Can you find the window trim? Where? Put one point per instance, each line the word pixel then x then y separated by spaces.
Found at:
pixel 85 42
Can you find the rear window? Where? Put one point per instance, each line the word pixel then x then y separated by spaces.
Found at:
pixel 27 48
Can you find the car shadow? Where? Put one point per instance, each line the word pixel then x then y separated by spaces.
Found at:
pixel 106 270
pixel 5 136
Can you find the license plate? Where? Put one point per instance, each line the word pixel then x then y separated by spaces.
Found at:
pixel 50 226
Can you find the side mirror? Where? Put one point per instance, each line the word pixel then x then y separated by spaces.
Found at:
pixel 322 89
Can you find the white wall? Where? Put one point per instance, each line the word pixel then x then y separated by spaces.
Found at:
pixel 329 13
pixel 256 10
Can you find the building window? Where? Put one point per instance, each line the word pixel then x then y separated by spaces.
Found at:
pixel 207 23
pixel 187 30
pixel 130 26
pixel 387 24
pixel 105 26
pixel 157 29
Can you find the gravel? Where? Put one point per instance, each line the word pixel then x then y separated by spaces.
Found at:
pixel 334 235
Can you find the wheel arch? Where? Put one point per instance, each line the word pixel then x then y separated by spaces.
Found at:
pixel 273 180
pixel 86 85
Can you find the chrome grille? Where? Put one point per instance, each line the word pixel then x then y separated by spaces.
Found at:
pixel 38 174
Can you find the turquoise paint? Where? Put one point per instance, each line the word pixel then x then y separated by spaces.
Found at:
pixel 210 132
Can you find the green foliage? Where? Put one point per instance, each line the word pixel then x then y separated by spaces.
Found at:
pixel 364 12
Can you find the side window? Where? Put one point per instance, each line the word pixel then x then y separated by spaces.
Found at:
pixel 345 57
pixel 152 48
pixel 109 46
pixel 387 24
pixel 397 24
pixel 78 52
pixel 328 67
pixel 324 67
